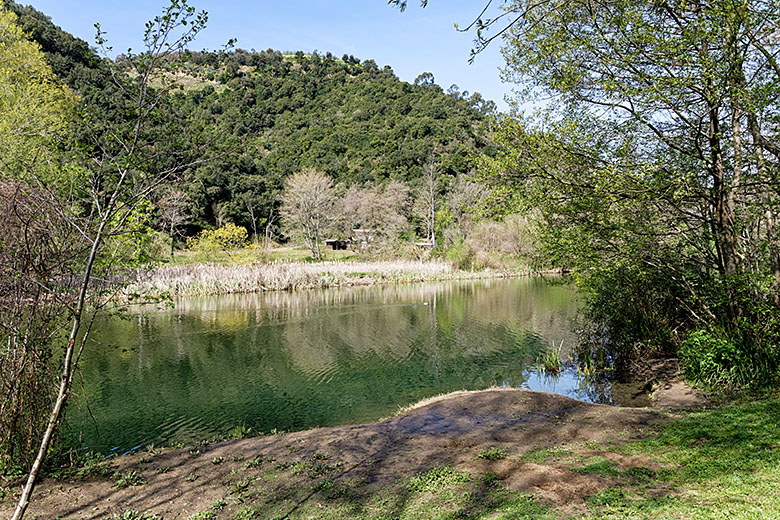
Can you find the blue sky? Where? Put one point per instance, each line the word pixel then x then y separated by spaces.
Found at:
pixel 418 40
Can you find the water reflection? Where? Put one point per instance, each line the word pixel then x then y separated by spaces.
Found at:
pixel 294 360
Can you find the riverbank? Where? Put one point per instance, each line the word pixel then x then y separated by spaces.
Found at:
pixel 215 279
pixel 488 454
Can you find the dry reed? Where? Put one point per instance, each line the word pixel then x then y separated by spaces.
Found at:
pixel 212 279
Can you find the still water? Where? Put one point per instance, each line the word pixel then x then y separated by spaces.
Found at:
pixel 296 360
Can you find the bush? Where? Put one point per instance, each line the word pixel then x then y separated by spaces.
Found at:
pixel 716 361
pixel 712 361
pixel 225 238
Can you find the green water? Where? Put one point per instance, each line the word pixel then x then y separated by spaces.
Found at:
pixel 291 361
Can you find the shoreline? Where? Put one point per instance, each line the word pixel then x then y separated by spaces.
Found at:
pixel 497 440
pixel 447 431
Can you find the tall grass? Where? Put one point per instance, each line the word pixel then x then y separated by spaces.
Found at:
pixel 211 279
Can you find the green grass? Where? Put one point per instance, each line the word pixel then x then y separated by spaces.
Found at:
pixel 492 453
pixel 543 455
pixel 717 463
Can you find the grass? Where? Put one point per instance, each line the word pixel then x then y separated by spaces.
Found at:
pixel 551 362
pixel 492 453
pixel 717 463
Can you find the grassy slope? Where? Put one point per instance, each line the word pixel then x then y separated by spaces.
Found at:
pixel 719 463
pixel 715 463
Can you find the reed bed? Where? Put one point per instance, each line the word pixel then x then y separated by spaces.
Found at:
pixel 214 279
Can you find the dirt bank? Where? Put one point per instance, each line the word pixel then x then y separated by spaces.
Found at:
pixel 452 430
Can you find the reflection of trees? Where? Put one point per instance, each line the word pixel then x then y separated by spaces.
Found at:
pixel 375 348
pixel 317 328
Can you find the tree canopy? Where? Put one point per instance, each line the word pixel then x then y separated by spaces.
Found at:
pixel 656 170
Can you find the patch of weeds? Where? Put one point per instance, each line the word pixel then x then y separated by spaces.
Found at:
pixel 241 431
pixel 524 507
pixel 643 474
pixel 437 479
pixel 163 469
pixel 192 477
pixel 287 464
pixel 492 453
pixel 542 455
pixel 253 462
pixel 91 464
pixel 322 485
pixel 607 497
pixel 591 445
pixel 129 478
pixel 195 452
pixel 218 505
pixel 489 479
pixel 152 449
pixel 177 445
pixel 246 513
pixel 312 469
pixel 131 514
pixel 318 455
pixel 551 362
pixel 240 487
pixel 236 458
pixel 599 466
pixel 204 515
pixel 217 460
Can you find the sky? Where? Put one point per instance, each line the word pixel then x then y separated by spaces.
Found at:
pixel 415 41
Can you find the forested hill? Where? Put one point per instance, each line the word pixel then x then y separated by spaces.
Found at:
pixel 281 112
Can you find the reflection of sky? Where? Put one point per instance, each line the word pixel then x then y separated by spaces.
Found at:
pixel 566 383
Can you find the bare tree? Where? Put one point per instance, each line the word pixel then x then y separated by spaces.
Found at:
pixel 425 203
pixel 380 211
pixel 174 212
pixel 307 206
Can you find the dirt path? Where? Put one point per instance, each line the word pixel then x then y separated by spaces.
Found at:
pixel 446 431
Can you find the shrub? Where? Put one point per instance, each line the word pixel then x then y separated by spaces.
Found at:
pixel 715 361
pixel 225 238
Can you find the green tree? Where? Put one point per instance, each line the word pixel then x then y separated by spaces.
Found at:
pixel 657 177
pixel 36 109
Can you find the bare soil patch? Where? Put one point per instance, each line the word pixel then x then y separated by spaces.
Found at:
pixel 532 428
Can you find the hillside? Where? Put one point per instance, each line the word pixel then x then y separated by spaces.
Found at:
pixel 276 113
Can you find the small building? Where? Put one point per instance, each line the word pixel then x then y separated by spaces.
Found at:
pixel 337 244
